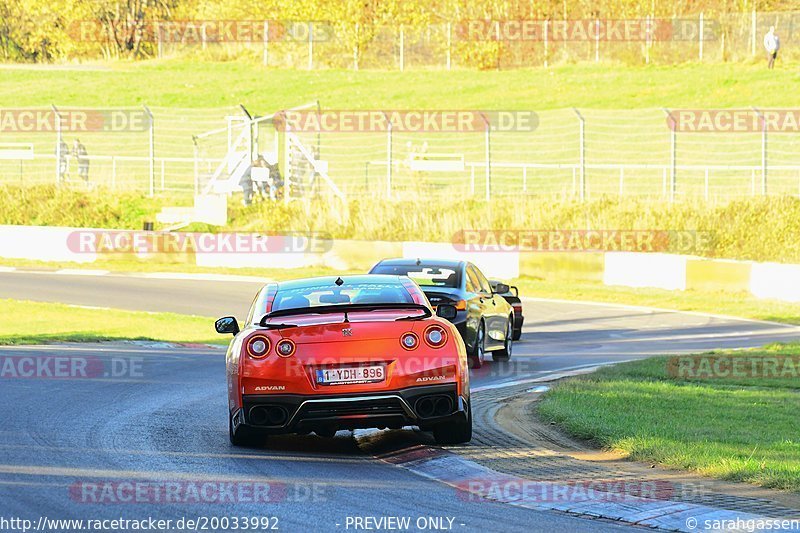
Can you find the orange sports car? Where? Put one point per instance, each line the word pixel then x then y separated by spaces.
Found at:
pixel 327 354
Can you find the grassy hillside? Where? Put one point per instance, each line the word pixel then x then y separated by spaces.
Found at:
pixel 208 84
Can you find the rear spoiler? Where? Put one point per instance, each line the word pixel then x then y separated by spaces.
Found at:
pixel 348 308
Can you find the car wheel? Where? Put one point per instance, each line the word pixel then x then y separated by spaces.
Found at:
pixel 508 345
pixel 241 436
pixel 478 354
pixel 517 334
pixel 455 432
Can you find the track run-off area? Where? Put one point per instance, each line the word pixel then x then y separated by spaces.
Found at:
pixel 144 435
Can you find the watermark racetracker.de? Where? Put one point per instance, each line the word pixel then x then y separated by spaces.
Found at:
pixel 734 120
pixel 582 240
pixel 736 366
pixel 70 367
pixel 73 120
pixel 407 121
pixel 151 242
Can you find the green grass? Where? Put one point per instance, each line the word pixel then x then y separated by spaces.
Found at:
pixel 49 322
pixel 735 429
pixel 736 304
pixel 743 229
pixel 197 84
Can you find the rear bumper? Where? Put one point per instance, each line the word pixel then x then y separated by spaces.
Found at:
pixel 294 413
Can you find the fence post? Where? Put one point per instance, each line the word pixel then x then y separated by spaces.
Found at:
pixel 700 35
pixel 59 142
pixel 673 182
pixel 388 156
pixel 288 162
pixel 152 147
pixel 449 45
pixel 546 24
pixel 310 46
pixel 196 165
pixel 402 49
pixel 582 154
pixel 488 158
pixel 355 49
pixel 763 152
pixel 753 35
pixel 596 40
pixel 265 58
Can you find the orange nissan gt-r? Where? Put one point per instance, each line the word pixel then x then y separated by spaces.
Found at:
pixel 327 354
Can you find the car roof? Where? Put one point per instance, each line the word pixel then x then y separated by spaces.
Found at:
pixel 425 262
pixel 346 280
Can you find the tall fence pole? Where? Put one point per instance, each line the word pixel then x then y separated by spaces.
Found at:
pixel 763 151
pixel 673 177
pixel 196 166
pixel 265 58
pixel 402 49
pixel 753 36
pixel 388 156
pixel 355 48
pixel 449 45
pixel 310 46
pixel 59 143
pixel 546 27
pixel 596 40
pixel 152 148
pixel 700 35
pixel 488 158
pixel 581 154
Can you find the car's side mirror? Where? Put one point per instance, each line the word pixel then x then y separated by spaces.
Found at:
pixel 501 288
pixel 227 324
pixel 446 311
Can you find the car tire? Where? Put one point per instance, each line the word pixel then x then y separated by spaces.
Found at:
pixel 478 355
pixel 508 346
pixel 242 436
pixel 517 334
pixel 459 432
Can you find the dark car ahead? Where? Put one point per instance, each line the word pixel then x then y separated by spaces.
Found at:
pixel 484 319
pixel 512 297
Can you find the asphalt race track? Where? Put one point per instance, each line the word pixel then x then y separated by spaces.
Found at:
pixel 150 414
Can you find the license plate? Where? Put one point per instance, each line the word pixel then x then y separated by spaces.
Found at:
pixel 351 375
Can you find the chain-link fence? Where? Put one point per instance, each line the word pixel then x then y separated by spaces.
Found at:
pixel 488 44
pixel 660 153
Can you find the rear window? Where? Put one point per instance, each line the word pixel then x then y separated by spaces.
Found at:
pixel 425 276
pixel 323 295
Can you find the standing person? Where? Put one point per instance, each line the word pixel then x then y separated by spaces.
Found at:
pixel 63 161
pixel 80 153
pixel 772 43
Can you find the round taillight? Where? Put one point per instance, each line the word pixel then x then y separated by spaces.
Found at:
pixel 285 348
pixel 435 336
pixel 409 341
pixel 258 347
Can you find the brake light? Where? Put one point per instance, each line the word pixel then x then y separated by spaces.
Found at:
pixel 409 341
pixel 517 307
pixel 258 346
pixel 435 336
pixel 285 348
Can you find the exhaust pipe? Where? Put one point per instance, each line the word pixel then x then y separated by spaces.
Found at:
pixel 437 405
pixel 426 407
pixel 268 415
pixel 444 405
